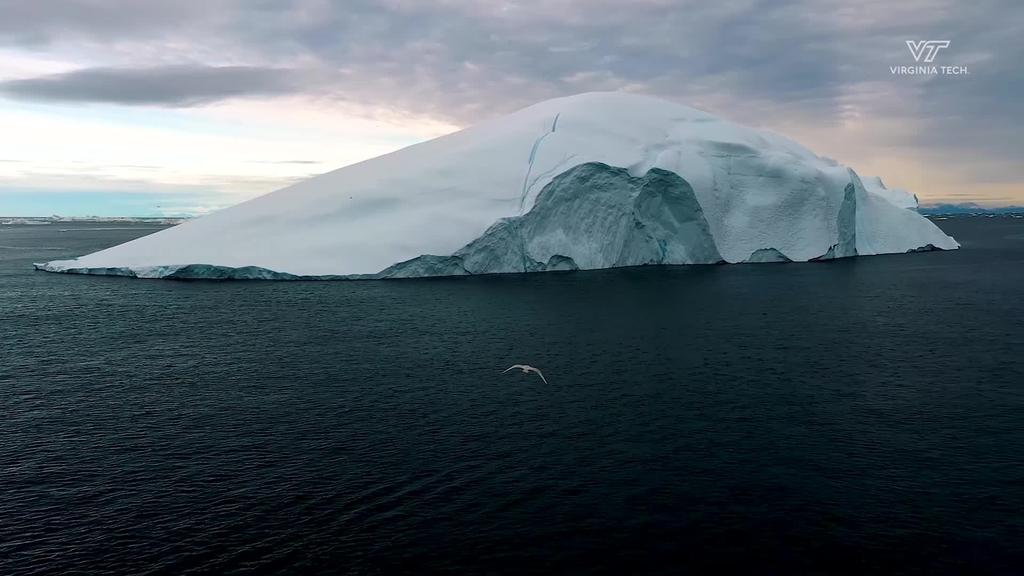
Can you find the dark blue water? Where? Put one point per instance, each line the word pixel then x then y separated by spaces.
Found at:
pixel 862 415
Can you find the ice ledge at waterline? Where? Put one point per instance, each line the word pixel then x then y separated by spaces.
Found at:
pixel 596 180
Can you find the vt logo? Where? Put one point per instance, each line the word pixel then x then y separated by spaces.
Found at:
pixel 926 48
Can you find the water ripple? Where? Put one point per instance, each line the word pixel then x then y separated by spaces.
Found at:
pixel 853 416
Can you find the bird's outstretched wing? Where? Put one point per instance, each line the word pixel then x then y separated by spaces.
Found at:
pixel 513 367
pixel 539 374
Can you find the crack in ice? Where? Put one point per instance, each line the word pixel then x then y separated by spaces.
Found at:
pixel 533 156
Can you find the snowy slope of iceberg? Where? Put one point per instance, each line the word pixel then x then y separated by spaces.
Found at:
pixel 897 196
pixel 590 181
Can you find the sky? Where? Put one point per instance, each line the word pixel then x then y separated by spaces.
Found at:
pixel 173 107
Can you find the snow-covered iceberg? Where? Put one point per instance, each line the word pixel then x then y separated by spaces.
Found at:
pixel 596 180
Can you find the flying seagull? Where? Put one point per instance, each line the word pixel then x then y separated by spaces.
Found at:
pixel 527 369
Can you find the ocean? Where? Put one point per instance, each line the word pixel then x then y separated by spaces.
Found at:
pixel 862 415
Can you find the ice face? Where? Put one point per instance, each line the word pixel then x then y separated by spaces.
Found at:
pixel 767 255
pixel 590 181
pixel 600 217
pixel 896 196
pixel 591 216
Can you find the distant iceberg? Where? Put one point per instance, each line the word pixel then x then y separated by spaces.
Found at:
pixel 24 222
pixel 597 180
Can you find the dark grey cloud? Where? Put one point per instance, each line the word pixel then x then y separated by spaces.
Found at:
pixel 181 85
pixel 38 22
pixel 466 60
pixel 755 61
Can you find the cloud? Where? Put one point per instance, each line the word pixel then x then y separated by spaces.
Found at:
pixel 817 70
pixel 40 22
pixel 230 186
pixel 466 60
pixel 175 86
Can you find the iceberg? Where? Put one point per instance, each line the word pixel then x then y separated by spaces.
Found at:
pixel 596 180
